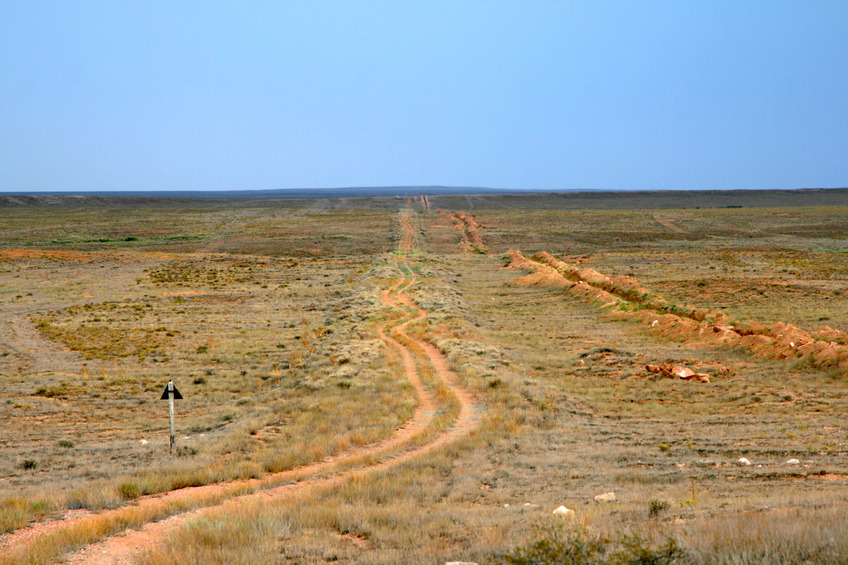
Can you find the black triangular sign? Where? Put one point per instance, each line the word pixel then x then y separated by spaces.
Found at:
pixel 177 395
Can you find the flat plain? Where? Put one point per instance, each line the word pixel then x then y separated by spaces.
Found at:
pixel 691 359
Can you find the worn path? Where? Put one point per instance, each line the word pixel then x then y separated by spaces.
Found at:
pixel 171 510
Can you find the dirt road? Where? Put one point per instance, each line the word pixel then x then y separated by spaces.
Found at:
pixel 155 516
pixel 407 242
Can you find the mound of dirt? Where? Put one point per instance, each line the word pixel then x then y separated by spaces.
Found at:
pixel 472 231
pixel 518 261
pixel 826 333
pixel 624 297
pixel 541 277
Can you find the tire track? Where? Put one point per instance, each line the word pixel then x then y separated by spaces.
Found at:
pixel 126 546
pixel 408 234
pixel 469 231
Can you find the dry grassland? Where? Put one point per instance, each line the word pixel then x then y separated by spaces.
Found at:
pixel 268 321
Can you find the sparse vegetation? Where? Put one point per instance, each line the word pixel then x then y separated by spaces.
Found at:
pixel 267 319
pixel 577 546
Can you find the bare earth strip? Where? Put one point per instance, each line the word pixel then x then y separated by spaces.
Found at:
pixel 693 325
pixel 408 235
pixel 125 547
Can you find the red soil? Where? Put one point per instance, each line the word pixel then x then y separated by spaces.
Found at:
pixel 124 547
pixel 824 347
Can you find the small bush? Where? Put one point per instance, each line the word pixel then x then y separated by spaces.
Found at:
pixel 657 507
pixel 29 464
pixel 65 443
pixel 577 546
pixel 129 490
pixel 558 547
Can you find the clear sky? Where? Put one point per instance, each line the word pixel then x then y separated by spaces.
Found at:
pixel 148 95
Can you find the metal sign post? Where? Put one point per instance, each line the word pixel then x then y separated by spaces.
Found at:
pixel 171 393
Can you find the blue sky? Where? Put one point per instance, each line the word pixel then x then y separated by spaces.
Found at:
pixel 529 95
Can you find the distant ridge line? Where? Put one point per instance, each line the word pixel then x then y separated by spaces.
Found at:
pixel 305 193
pixel 377 191
pixel 448 198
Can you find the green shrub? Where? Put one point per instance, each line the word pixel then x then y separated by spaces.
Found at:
pixel 577 546
pixel 129 490
pixel 656 507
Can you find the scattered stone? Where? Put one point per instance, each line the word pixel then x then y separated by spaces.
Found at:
pixel 744 461
pixel 143 442
pixel 605 497
pixel 460 563
pixel 564 512
pixel 683 372
pixel 679 372
pixel 528 506
pixel 793 462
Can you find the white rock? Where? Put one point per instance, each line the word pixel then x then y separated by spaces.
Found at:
pixel 460 563
pixel 564 512
pixel 793 462
pixel 683 372
pixel 143 442
pixel 744 461
pixel 605 497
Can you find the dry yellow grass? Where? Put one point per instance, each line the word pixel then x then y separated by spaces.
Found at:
pixel 571 411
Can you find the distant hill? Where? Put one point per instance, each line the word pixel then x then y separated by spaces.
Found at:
pixel 457 198
pixel 287 193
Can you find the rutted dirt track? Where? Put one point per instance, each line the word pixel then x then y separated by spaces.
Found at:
pixel 469 231
pixel 177 507
pixel 408 234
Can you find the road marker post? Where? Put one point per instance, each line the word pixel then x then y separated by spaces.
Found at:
pixel 170 394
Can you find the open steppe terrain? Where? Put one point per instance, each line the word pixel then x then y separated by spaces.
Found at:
pixel 426 379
